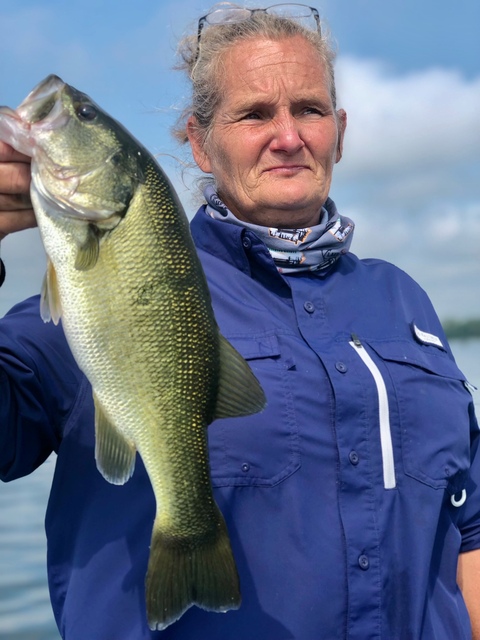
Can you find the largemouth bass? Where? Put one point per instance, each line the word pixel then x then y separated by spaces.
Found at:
pixel 124 277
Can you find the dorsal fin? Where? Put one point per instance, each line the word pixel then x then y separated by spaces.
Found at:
pixel 239 392
pixel 50 304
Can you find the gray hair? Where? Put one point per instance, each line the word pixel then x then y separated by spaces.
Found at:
pixel 203 64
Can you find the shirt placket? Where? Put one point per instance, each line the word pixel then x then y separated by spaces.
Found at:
pixel 357 408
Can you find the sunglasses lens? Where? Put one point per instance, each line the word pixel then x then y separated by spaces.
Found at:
pixel 228 14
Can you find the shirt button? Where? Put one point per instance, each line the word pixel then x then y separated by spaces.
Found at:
pixel 245 467
pixel 341 366
pixel 247 243
pixel 354 457
pixel 363 562
pixel 309 306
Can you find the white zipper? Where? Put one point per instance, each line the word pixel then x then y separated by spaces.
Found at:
pixel 389 481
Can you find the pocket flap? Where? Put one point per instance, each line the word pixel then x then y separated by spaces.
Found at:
pixel 253 347
pixel 426 357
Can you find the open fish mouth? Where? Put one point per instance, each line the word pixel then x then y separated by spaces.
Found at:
pixel 42 109
pixel 42 100
pixel 45 110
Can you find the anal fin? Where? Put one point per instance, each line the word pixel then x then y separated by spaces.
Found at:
pixel 114 454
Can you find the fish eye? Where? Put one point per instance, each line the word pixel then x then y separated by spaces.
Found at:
pixel 86 112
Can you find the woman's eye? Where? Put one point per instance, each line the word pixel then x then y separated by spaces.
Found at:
pixel 86 112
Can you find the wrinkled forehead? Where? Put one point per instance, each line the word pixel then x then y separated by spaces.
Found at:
pixel 288 62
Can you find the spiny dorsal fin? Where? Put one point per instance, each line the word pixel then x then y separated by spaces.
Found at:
pixel 239 392
pixel 115 455
pixel 88 252
pixel 50 305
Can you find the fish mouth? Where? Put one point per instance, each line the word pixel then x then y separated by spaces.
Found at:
pixel 41 101
pixel 42 109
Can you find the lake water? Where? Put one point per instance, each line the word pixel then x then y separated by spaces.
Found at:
pixel 25 612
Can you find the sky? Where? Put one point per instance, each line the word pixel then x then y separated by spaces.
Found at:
pixel 408 75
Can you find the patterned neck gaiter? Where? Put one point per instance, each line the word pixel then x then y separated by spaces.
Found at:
pixel 294 250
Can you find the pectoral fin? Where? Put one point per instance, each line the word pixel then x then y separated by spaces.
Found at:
pixel 239 392
pixel 89 251
pixel 50 305
pixel 115 455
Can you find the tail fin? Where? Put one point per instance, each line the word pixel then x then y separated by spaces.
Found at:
pixel 183 572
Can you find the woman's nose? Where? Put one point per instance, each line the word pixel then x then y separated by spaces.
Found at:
pixel 286 136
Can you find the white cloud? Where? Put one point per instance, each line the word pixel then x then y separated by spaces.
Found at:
pixel 407 122
pixel 409 175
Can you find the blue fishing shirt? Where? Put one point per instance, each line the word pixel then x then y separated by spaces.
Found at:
pixel 347 499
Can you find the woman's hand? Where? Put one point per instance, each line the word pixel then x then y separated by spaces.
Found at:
pixel 16 211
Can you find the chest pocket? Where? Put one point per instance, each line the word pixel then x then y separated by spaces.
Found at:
pixel 261 449
pixel 433 408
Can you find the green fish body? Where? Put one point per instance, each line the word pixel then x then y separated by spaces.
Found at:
pixel 124 277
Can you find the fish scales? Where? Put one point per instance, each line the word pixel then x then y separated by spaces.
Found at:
pixel 124 277
pixel 166 347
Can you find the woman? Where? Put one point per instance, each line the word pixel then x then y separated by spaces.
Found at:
pixel 349 499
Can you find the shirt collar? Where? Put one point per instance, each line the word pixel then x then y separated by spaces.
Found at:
pixel 236 245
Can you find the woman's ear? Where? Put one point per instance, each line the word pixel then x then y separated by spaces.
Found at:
pixel 196 140
pixel 342 125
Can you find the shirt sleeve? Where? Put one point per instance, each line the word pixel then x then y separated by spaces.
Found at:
pixel 470 516
pixel 39 382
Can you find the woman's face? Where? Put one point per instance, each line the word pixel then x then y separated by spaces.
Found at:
pixel 275 137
